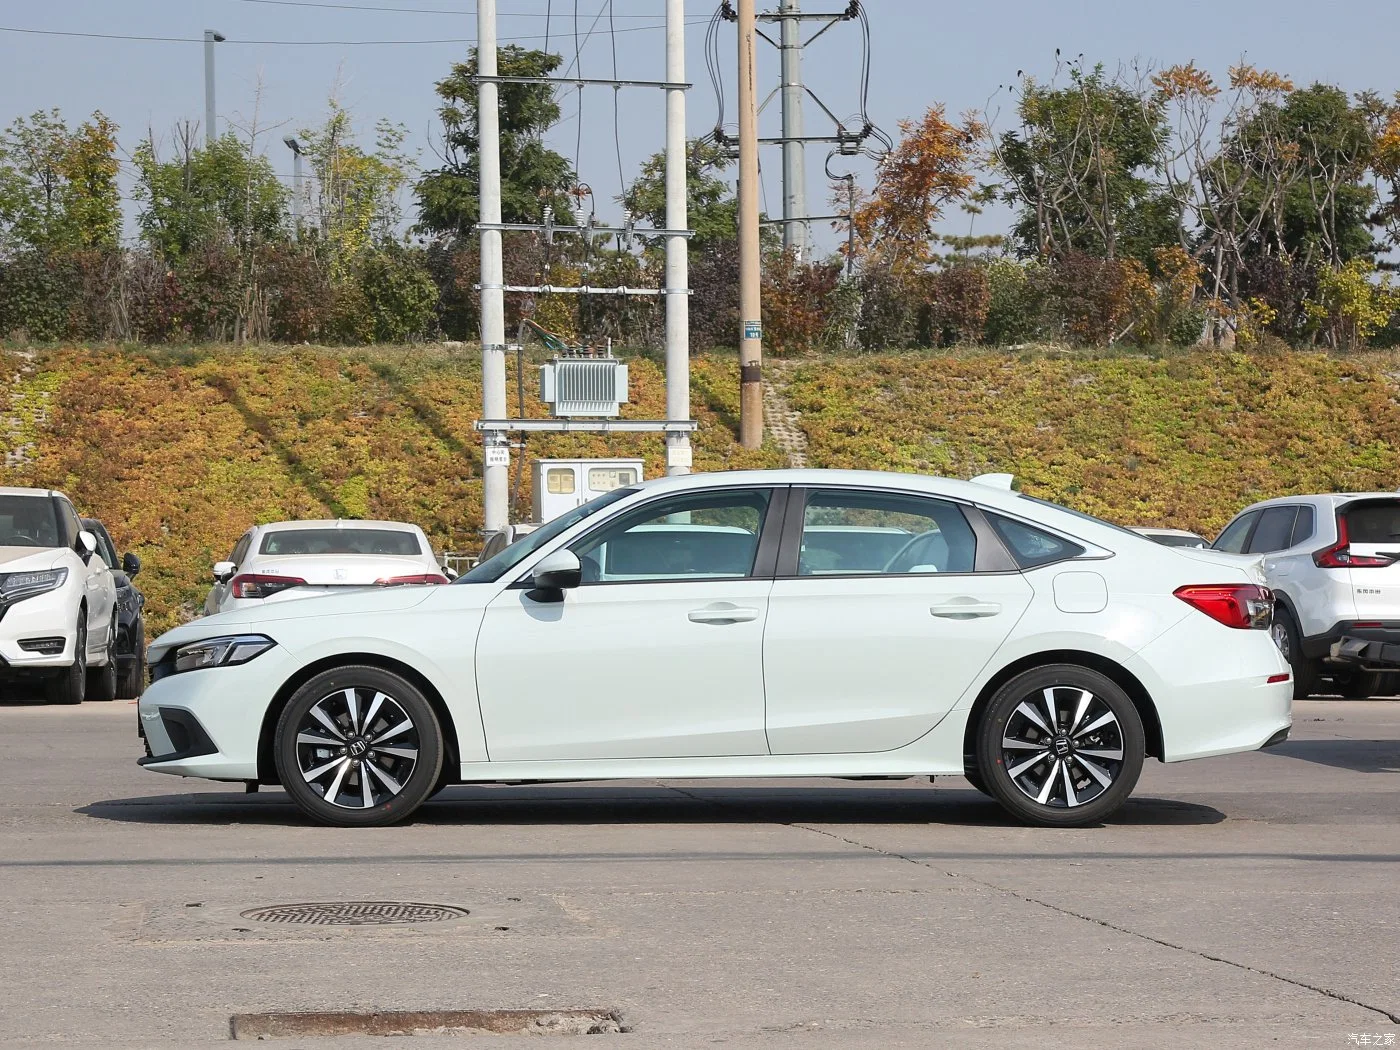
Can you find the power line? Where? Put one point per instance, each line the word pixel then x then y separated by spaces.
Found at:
pixel 299 43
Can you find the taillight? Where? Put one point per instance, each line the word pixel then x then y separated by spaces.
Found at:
pixel 402 581
pixel 1244 606
pixel 1339 556
pixel 257 585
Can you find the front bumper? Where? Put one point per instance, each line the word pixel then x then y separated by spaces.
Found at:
pixel 45 616
pixel 208 723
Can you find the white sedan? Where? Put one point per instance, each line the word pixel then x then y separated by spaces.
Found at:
pixel 298 559
pixel 759 624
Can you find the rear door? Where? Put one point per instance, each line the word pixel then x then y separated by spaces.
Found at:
pixel 1373 531
pixel 869 645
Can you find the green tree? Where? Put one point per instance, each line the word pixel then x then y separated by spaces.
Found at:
pixel 711 207
pixel 58 187
pixel 222 193
pixel 1080 169
pixel 356 197
pixel 532 176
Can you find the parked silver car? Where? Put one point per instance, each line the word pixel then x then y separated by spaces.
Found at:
pixel 1333 562
pixel 292 559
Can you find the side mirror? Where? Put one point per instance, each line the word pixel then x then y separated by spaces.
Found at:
pixel 559 571
pixel 87 544
pixel 131 564
pixel 223 571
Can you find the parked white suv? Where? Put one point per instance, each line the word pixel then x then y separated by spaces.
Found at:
pixel 293 559
pixel 57 601
pixel 1333 562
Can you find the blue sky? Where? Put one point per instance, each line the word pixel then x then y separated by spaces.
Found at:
pixel 923 52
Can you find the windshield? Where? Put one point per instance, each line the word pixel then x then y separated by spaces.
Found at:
pixel 384 542
pixel 28 521
pixel 493 569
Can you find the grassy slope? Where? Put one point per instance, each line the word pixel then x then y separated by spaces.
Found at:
pixel 180 452
pixel 1183 440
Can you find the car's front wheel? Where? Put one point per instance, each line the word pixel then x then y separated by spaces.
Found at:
pixel 1060 746
pixel 102 681
pixel 358 747
pixel 132 680
pixel 69 684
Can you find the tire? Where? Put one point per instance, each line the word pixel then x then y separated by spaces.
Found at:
pixel 1289 640
pixel 320 731
pixel 973 776
pixel 131 683
pixel 1072 785
pixel 1359 685
pixel 70 684
pixel 102 681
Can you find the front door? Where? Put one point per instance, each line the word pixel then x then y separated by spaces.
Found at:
pixel 658 654
pixel 879 622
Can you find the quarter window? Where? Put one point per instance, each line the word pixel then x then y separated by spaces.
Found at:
pixel 869 533
pixel 698 536
pixel 1303 527
pixel 1031 546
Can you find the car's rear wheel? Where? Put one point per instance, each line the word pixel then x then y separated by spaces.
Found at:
pixel 358 747
pixel 1060 746
pixel 1289 640
pixel 102 681
pixel 69 684
pixel 1359 685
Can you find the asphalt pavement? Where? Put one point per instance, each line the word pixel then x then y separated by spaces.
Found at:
pixel 1249 900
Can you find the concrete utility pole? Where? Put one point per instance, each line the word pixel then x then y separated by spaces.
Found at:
pixel 211 37
pixel 795 230
pixel 496 468
pixel 678 452
pixel 750 304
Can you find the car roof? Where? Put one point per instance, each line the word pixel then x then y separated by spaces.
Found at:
pixel 337 523
pixel 1322 499
pixel 1153 530
pixel 30 492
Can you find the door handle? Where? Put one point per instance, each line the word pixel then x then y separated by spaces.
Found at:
pixel 723 614
pixel 965 610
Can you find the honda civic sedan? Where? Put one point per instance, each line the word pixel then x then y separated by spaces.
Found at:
pixel 757 624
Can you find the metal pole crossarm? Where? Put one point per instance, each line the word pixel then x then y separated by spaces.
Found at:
pixel 778 140
pixel 583 289
pixel 815 16
pixel 665 85
pixel 596 426
pixel 536 227
pixel 807 218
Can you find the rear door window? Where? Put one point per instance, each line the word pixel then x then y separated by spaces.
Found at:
pixel 1233 539
pixel 1275 530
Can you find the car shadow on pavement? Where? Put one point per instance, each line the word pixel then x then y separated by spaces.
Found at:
pixel 1361 756
pixel 652 804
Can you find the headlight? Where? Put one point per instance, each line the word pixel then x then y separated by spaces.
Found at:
pixel 221 652
pixel 16 586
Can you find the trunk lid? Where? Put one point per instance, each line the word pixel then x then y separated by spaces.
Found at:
pixel 1373 531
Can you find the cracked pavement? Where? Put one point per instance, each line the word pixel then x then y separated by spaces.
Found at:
pixel 1243 899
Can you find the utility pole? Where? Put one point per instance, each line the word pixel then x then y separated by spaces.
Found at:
pixel 496 454
pixel 295 146
pixel 211 37
pixel 794 149
pixel 678 451
pixel 750 303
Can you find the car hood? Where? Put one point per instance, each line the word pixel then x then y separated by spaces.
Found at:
pixel 28 559
pixel 265 616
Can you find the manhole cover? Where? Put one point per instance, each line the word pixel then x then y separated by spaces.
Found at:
pixel 357 913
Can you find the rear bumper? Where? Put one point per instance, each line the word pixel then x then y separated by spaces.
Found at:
pixel 1367 653
pixel 1325 646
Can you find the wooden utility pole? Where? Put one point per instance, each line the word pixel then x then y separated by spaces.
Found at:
pixel 750 306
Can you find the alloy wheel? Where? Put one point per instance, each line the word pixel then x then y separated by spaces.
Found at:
pixel 1063 747
pixel 357 747
pixel 1279 632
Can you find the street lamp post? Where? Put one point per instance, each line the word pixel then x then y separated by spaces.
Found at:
pixel 295 147
pixel 211 37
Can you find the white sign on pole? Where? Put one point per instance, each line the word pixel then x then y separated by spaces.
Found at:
pixel 497 456
pixel 679 456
